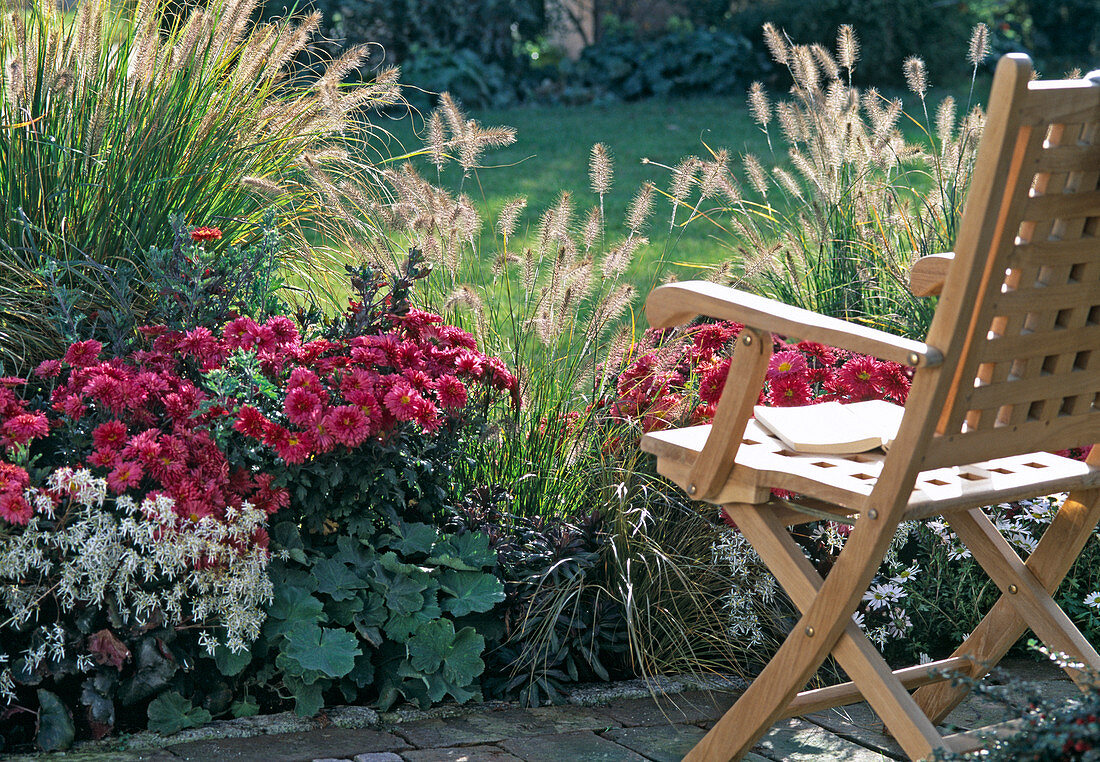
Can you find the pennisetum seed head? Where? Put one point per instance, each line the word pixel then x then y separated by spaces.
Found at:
pixel 600 169
pixel 916 75
pixel 979 44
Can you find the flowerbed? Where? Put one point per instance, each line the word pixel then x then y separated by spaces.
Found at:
pixel 137 496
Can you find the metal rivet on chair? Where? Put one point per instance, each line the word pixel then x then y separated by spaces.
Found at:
pixel 809 632
pixel 1013 589
pixel 913 359
pixel 692 489
pixel 747 339
pixel 872 514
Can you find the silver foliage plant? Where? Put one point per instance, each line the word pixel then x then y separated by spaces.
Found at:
pixel 208 574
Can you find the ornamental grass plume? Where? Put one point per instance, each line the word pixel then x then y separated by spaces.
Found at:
pixel 117 116
pixel 849 203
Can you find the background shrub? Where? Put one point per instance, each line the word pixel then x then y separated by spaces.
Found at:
pixel 683 61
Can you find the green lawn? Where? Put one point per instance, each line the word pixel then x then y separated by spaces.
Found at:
pixel 551 155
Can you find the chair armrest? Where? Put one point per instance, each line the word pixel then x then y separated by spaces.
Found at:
pixel 678 303
pixel 927 275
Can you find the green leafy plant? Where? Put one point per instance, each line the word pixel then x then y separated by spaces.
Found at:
pixel 381 617
pixel 111 125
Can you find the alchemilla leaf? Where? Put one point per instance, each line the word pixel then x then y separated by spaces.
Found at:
pixel 329 651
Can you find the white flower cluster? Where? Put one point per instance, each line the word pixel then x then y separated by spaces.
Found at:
pixel 752 587
pixel 141 558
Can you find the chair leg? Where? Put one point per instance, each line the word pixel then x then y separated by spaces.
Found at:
pixel 1002 626
pixel 1027 594
pixel 855 653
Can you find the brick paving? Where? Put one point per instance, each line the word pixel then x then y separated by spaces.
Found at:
pixel 644 729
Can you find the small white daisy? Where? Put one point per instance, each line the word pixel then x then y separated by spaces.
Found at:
pixel 1093 599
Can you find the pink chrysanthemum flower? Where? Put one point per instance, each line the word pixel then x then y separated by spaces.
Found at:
pixel 297 446
pixel 104 458
pixel 789 391
pixel 110 435
pixel 348 425
pixel 859 376
pixel 468 363
pixel 26 426
pixel 894 382
pixel 14 508
pixel 126 475
pixel 713 381
pixel 250 422
pixel 301 406
pixel 403 401
pixel 451 392
pixel 303 378
pixel 786 363
pixel 284 329
pixel 714 336
pixel 239 333
pixel 83 353
pixel 48 369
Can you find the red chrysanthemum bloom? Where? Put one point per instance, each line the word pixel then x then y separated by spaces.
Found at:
pixel 894 382
pixel 786 363
pixel 265 339
pixel 110 435
pixel 297 446
pixel 14 508
pixel 239 333
pixel 267 498
pixel 104 458
pixel 203 234
pixel 789 391
pixel 469 364
pixel 283 328
pixel 451 392
pixel 859 376
pixel 303 378
pixel 73 407
pixel 48 369
pixel 403 401
pixel 713 336
pixel 301 406
pixel 12 381
pixel 347 425
pixel 250 422
pixel 713 381
pixel 13 477
pixel 83 353
pixel 454 336
pixel 126 475
pixel 26 426
pixel 428 416
pixel 819 353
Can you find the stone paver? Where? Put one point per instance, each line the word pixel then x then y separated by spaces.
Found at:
pixel 491 727
pixel 860 724
pixel 340 743
pixel 378 756
pixel 693 706
pixel 660 743
pixel 584 746
pixel 796 740
pixel 462 754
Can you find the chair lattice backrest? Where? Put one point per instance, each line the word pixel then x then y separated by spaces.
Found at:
pixel 1027 376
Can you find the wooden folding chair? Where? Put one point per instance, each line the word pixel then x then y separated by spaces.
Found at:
pixel 1009 374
